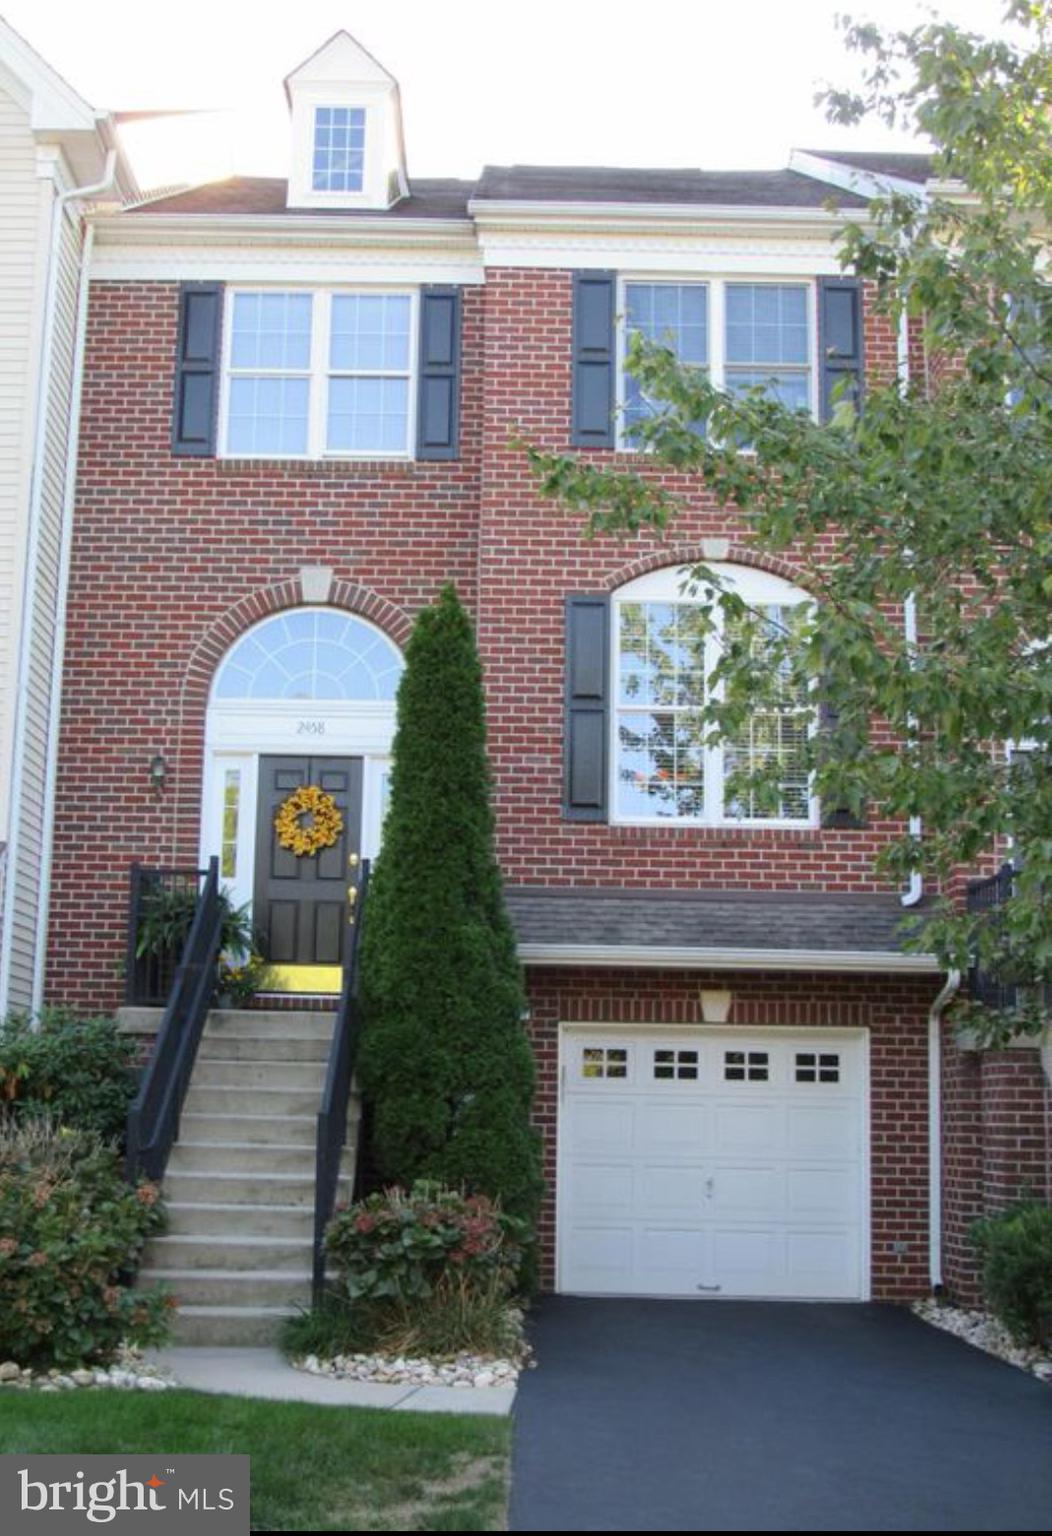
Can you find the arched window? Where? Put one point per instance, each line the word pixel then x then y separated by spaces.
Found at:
pixel 664 655
pixel 314 654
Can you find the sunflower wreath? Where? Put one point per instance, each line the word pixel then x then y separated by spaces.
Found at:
pixel 322 831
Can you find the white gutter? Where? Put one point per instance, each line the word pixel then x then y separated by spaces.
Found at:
pixel 697 958
pixel 938 1008
pixel 43 406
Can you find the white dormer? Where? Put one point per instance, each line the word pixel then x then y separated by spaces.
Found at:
pixel 347 149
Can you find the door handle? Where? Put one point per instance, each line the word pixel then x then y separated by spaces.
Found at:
pixel 352 861
pixel 352 895
pixel 709 1186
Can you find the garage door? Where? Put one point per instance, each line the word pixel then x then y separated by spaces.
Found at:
pixel 712 1163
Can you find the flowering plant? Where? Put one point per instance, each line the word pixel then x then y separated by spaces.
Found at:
pixel 401 1244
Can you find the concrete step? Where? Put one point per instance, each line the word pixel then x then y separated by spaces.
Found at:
pixel 212 1073
pixel 246 1189
pixel 281 1130
pixel 229 1023
pixel 232 1326
pixel 229 1219
pixel 229 1251
pixel 205 1099
pixel 262 1048
pixel 240 1158
pixel 232 1287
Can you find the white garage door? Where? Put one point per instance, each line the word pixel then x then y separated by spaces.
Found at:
pixel 713 1162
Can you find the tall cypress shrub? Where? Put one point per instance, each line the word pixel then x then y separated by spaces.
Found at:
pixel 445 1066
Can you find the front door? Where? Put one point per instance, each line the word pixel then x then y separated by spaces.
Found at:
pixel 301 906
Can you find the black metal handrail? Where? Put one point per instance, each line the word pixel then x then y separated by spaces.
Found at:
pixel 983 898
pixel 153 1119
pixel 150 973
pixel 332 1117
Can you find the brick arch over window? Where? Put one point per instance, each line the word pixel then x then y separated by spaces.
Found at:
pixel 222 634
pixel 704 552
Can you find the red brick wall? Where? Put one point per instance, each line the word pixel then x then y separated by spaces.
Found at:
pixel 174 557
pixel 171 559
pixel 997 1146
pixel 1016 1128
pixel 962 1193
pixel 531 556
pixel 894 1011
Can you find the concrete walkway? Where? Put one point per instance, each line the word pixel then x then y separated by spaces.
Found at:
pixel 754 1416
pixel 265 1373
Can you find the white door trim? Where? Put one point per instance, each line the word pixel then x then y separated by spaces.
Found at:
pixel 804 1033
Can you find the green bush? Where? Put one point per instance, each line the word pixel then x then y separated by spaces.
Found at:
pixel 431 1272
pixel 79 1072
pixel 1015 1252
pixel 72 1231
pixel 445 1065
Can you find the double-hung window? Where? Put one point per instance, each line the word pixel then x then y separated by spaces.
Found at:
pixel 338 156
pixel 323 373
pixel 740 334
pixel 665 765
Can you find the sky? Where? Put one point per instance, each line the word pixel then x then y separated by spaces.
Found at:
pixel 720 84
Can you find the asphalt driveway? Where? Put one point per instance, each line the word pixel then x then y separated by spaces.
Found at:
pixel 734 1416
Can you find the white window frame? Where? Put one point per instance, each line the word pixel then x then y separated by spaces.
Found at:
pixel 666 586
pixel 319 372
pixel 716 283
pixel 340 106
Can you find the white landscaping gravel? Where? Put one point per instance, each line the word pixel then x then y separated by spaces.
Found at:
pixel 463 1371
pixel 977 1327
pixel 128 1373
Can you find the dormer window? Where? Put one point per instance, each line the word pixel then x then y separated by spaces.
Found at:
pixel 347 149
pixel 339 149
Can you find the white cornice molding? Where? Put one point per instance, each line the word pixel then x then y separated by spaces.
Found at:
pixel 283 229
pixel 287 248
pixel 661 957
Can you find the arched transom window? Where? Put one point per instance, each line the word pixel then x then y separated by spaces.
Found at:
pixel 311 653
pixel 664 769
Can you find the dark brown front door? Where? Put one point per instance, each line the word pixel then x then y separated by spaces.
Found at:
pixel 300 905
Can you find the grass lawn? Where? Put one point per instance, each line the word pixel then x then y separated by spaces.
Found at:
pixel 313 1468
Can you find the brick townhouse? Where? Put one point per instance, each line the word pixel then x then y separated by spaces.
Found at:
pixel 298 414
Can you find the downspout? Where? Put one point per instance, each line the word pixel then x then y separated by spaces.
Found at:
pixel 915 889
pixel 32 555
pixel 950 988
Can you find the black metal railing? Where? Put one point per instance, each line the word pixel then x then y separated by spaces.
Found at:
pixel 332 1117
pixel 984 899
pixel 149 967
pixel 153 1120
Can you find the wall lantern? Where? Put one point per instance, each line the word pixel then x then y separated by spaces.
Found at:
pixel 158 772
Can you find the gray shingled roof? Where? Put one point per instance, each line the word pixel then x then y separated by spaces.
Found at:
pixel 265 195
pixel 444 198
pixel 609 184
pixel 816 922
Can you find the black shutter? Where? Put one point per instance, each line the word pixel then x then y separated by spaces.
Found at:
pixel 438 410
pixel 586 724
pixel 835 816
pixel 196 403
pixel 592 411
pixel 839 338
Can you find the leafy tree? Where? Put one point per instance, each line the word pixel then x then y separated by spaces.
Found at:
pixel 445 1064
pixel 937 493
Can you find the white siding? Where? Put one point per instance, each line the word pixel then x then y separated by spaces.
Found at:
pixel 24 253
pixel 19 237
